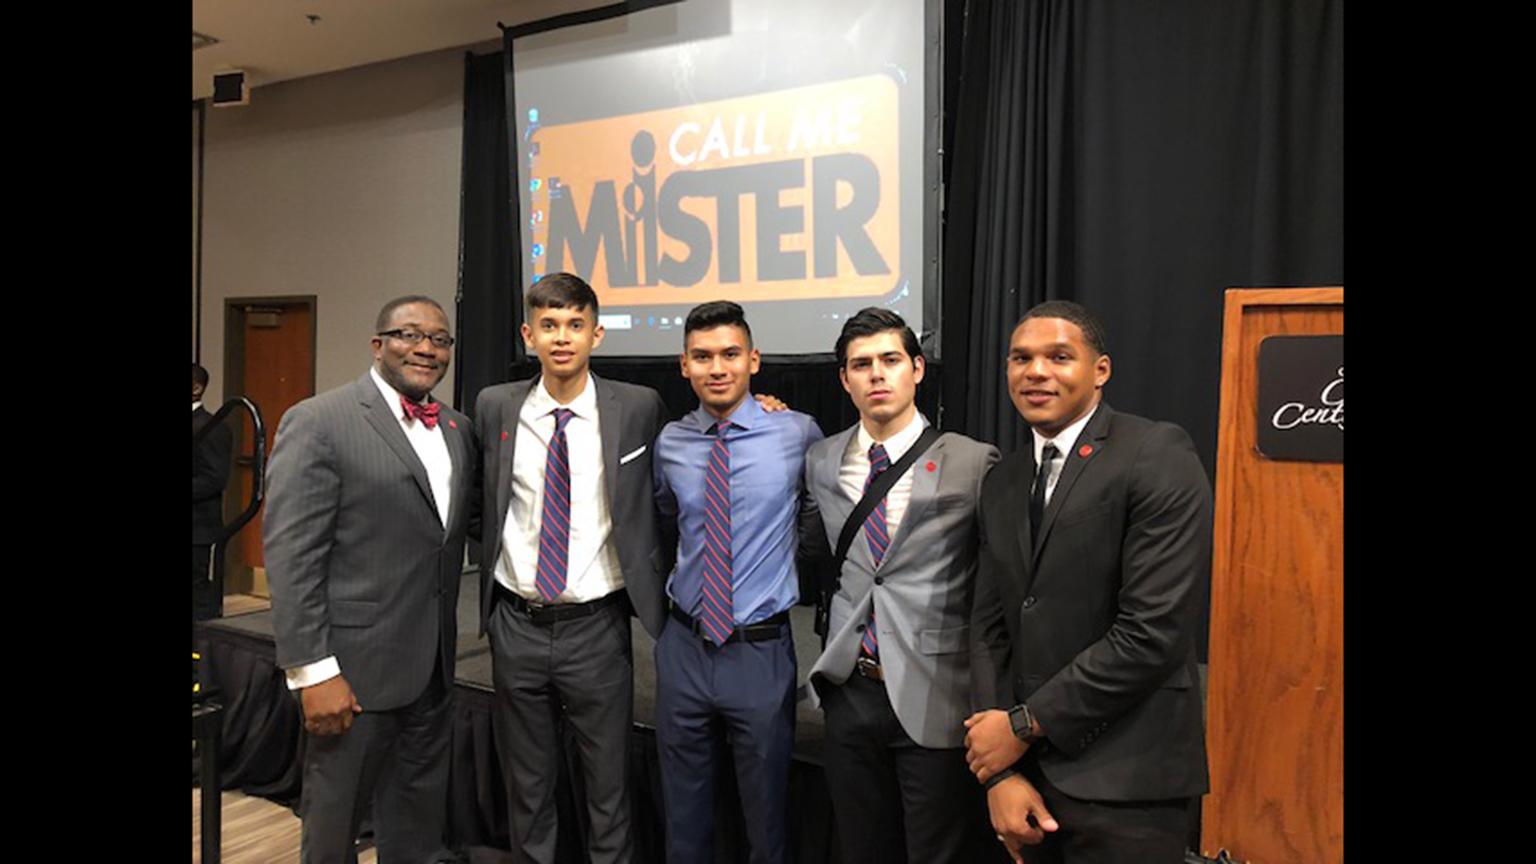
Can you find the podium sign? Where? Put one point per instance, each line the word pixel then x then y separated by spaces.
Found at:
pixel 1301 398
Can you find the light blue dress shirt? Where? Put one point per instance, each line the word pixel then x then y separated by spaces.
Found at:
pixel 767 467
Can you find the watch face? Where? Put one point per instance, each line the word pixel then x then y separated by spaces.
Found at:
pixel 1018 717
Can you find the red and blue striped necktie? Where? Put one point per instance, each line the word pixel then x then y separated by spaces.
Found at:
pixel 717 610
pixel 879 540
pixel 555 527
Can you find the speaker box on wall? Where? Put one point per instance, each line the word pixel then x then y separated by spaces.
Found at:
pixel 229 89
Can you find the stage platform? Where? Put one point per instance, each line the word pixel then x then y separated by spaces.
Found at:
pixel 263 741
pixel 473 667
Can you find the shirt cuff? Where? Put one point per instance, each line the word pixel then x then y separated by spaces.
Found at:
pixel 311 674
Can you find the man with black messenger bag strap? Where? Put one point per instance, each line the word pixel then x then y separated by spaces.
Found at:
pixel 894 674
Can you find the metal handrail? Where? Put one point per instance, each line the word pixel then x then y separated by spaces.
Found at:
pixel 258 461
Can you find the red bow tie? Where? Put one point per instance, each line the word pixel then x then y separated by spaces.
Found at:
pixel 427 413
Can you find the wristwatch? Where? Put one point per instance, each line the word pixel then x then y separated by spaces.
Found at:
pixel 1022 722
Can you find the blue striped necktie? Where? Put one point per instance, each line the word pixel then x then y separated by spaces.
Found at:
pixel 555 526
pixel 879 540
pixel 717 611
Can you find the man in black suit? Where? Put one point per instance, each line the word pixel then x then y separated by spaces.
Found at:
pixel 1095 558
pixel 569 546
pixel 210 471
pixel 369 500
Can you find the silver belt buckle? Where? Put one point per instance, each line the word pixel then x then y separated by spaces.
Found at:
pixel 869 668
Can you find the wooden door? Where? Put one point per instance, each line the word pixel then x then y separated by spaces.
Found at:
pixel 270 348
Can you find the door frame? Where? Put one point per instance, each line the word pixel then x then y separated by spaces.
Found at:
pixel 239 578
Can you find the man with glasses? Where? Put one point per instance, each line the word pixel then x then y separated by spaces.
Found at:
pixel 369 499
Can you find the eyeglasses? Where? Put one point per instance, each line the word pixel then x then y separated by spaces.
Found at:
pixel 414 337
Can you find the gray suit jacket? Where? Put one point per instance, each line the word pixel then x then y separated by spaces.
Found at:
pixel 358 560
pixel 630 417
pixel 923 602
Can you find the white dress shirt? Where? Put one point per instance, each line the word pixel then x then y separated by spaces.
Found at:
pixel 432 449
pixel 855 468
pixel 592 564
pixel 1064 442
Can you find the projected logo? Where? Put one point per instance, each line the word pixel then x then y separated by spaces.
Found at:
pixel 784 195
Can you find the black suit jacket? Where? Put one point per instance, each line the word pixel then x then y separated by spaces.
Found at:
pixel 1093 626
pixel 629 417
pixel 210 471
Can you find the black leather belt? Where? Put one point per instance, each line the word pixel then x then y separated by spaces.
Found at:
pixel 549 613
pixel 766 629
pixel 869 667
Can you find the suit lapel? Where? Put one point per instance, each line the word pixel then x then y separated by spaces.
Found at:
pixel 610 421
pixel 509 423
pixel 459 457
pixel 829 472
pixel 382 418
pixel 925 488
pixel 1087 446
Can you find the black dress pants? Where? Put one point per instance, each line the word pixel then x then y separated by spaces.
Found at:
pixel 577 672
pixel 207 596
pixel 1108 832
pixel 894 800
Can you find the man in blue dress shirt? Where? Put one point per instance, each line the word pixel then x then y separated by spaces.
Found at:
pixel 729 484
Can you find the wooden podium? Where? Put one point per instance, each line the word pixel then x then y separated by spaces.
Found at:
pixel 1275 703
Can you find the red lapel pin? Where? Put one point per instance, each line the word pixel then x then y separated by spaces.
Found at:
pixel 1085 451
pixel 451 424
pixel 503 434
pixel 931 467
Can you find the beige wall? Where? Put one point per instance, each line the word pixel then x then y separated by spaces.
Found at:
pixel 344 186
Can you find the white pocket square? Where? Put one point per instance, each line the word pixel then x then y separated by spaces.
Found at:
pixel 631 456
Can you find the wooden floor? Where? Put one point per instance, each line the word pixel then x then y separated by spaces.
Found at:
pixel 240 604
pixel 256 831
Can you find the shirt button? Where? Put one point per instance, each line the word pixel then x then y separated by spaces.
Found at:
pixel 859 629
pixel 879 580
pixel 1029 601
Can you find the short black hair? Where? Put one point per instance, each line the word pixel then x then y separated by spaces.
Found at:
pixel 388 312
pixel 199 375
pixel 872 320
pixel 716 313
pixel 1066 310
pixel 561 291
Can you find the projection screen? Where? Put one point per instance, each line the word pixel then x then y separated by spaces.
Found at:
pixel 779 153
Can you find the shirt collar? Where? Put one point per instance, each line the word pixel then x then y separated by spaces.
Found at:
pixel 196 405
pixel 391 396
pixel 897 445
pixel 583 406
pixel 747 413
pixel 1065 438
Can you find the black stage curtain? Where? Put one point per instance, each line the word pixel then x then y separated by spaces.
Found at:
pixel 1139 158
pixel 490 267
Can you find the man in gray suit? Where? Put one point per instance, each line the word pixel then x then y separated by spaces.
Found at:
pixel 369 499
pixel 894 677
pixel 569 547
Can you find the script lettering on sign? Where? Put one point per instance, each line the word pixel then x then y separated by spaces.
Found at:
pixel 1301 397
pixel 1328 412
